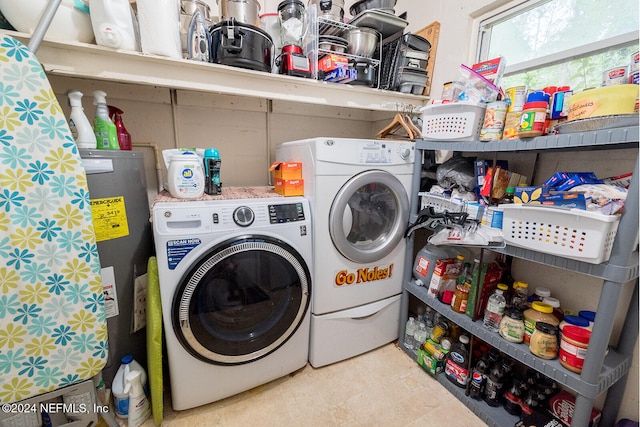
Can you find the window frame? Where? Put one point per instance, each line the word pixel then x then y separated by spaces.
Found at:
pixel 485 22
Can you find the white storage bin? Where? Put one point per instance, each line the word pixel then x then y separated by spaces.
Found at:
pixel 569 233
pixel 454 121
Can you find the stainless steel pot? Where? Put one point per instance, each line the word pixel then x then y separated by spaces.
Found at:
pixel 242 11
pixel 362 5
pixel 362 41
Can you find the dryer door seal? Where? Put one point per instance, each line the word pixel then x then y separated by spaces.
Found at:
pixel 242 300
pixel 368 216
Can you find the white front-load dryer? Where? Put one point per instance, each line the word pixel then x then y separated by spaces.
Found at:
pixel 359 191
pixel 235 283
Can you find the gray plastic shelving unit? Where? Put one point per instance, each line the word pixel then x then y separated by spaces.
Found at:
pixel 605 369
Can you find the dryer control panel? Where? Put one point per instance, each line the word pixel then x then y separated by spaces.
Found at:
pixel 289 212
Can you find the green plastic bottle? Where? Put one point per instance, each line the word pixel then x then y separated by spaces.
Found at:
pixel 105 130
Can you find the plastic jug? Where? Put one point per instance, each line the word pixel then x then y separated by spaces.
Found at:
pixel 79 123
pixel 114 24
pixel 120 396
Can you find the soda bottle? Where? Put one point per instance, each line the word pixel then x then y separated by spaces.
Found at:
pixel 495 309
pixel 478 378
pixel 409 331
pixel 493 388
pixel 457 360
pixel 513 398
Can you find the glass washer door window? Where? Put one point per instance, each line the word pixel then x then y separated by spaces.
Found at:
pixel 368 216
pixel 242 300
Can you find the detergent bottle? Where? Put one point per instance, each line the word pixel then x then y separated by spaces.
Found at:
pixel 139 407
pixel 114 24
pixel 124 137
pixel 79 123
pixel 103 127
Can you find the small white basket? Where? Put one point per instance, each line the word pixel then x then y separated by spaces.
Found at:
pixel 454 121
pixel 570 233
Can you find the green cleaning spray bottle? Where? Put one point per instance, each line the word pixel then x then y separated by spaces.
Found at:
pixel 103 127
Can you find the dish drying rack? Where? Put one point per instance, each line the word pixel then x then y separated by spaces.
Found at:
pixel 449 221
pixel 322 26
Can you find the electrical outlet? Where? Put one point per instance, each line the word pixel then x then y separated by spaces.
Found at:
pixel 139 303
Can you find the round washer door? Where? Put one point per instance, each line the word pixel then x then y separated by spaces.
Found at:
pixel 242 300
pixel 368 216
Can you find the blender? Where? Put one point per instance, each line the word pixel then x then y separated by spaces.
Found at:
pixel 293 27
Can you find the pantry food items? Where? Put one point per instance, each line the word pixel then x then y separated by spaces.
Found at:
pixel 604 101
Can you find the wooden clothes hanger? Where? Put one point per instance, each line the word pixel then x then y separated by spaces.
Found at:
pixel 398 122
pixel 417 133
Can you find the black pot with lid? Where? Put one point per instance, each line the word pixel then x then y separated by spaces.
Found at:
pixel 241 45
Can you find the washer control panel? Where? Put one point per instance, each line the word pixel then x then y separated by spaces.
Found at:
pixel 289 212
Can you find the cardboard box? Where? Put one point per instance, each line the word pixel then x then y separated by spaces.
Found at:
pixel 484 283
pixel 429 363
pixel 491 69
pixel 331 62
pixel 548 197
pixel 562 405
pixel 286 170
pixel 289 187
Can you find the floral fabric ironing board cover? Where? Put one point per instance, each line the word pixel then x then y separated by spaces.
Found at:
pixel 53 329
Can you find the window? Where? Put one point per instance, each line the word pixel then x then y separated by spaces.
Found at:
pixel 561 42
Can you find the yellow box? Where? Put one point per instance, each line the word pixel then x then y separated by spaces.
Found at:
pixel 286 170
pixel 289 187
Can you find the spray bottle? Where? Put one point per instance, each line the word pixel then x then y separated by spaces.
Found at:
pixel 139 407
pixel 124 137
pixel 79 123
pixel 103 127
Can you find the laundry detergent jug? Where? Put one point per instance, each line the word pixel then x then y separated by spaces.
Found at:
pixel 114 24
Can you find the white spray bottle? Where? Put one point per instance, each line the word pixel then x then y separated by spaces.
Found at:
pixel 79 123
pixel 139 407
pixel 105 130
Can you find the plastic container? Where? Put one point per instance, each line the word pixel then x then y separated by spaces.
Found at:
pixel 533 119
pixel 512 326
pixel 602 101
pixel 79 123
pixel 409 331
pixel 104 129
pixel 544 341
pixel 455 121
pixel 425 262
pixel 571 320
pixel 495 308
pixel 539 312
pixel 555 303
pixel 120 396
pixel 71 21
pixel 520 295
pixel 573 347
pixel 569 233
pixel 185 176
pixel 114 24
pixel 456 366
pixel 589 315
pixel 139 407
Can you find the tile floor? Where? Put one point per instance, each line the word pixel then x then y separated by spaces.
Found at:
pixel 383 387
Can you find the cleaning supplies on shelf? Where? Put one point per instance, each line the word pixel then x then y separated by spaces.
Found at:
pixel 78 121
pixel 114 24
pixel 124 137
pixel 139 407
pixel 103 127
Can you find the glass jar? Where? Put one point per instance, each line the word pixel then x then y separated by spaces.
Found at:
pixel 520 294
pixel 539 312
pixel 460 298
pixel 512 326
pixel 544 341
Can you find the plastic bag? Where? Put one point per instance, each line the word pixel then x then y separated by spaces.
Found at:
pixel 457 172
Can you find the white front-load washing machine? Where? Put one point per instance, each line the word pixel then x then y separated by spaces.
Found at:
pixel 359 195
pixel 235 283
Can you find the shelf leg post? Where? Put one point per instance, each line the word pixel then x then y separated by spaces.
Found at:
pixel 627 343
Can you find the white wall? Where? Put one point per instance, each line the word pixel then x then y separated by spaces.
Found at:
pixel 457 46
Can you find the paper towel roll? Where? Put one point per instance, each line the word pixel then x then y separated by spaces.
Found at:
pixel 159 22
